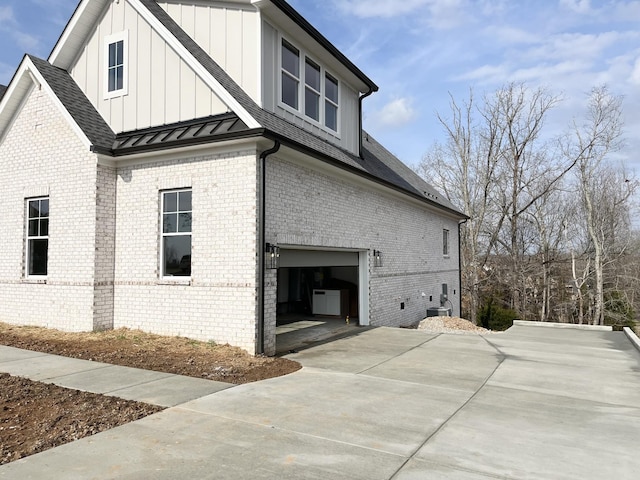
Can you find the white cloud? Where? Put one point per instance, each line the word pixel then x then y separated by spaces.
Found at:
pixel 396 113
pixel 6 16
pixel 635 74
pixel 380 8
pixel 578 6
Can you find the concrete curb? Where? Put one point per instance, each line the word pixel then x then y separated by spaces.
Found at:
pixel 526 323
pixel 632 337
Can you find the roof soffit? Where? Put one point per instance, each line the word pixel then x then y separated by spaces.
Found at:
pixel 78 29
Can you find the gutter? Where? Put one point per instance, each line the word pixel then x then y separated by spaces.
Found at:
pixel 460 223
pixel 261 241
pixel 360 100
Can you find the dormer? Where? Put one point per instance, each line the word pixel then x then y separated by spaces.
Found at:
pixel 281 61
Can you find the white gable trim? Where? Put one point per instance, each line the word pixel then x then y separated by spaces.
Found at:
pixel 75 33
pixel 26 78
pixel 197 67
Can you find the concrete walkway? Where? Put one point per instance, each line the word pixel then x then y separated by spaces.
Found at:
pixel 531 403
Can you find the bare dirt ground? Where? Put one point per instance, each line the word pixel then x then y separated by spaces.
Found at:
pixel 36 416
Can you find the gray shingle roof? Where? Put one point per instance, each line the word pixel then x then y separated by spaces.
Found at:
pixel 2 90
pixel 77 104
pixel 378 163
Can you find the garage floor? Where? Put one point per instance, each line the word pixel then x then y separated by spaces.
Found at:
pixel 297 332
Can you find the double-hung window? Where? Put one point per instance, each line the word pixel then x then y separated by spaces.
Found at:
pixel 116 53
pixel 176 233
pixel 37 236
pixel 331 102
pixel 308 88
pixel 312 90
pixel 290 74
pixel 445 242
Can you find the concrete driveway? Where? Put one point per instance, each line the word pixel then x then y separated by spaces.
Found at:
pixel 532 403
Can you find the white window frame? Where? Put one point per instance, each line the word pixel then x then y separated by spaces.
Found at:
pixel 446 244
pixel 163 235
pixel 30 238
pixel 108 41
pixel 303 56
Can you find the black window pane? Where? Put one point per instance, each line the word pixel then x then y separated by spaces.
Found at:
pixel 331 116
pixel 177 256
pixel 34 208
pixel 112 54
pixel 331 89
pixel 184 222
pixel 170 223
pixel 184 202
pixel 44 208
pixel 112 79
pixel 171 202
pixel 44 227
pixel 312 104
pixel 119 52
pixel 289 91
pixel 291 60
pixel 312 75
pixel 33 228
pixel 119 78
pixel 38 257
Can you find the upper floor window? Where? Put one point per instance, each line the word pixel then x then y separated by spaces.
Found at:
pixel 176 233
pixel 307 87
pixel 116 53
pixel 290 74
pixel 445 242
pixel 37 236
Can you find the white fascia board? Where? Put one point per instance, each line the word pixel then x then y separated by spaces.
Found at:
pixel 23 82
pixel 197 67
pixel 75 33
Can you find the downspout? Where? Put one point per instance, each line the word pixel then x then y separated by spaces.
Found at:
pixel 460 264
pixel 360 100
pixel 261 241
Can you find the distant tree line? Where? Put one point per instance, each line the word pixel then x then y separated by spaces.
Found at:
pixel 550 236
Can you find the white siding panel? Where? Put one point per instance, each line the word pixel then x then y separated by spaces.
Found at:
pixel 269 64
pixel 229 34
pixel 172 92
pixel 158 85
pixel 162 88
pixel 144 75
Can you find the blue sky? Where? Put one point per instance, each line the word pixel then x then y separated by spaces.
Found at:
pixel 419 51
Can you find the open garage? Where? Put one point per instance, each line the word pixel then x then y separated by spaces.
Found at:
pixel 321 294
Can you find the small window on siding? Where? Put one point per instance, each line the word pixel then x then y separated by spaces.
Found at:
pixel 176 233
pixel 331 102
pixel 445 242
pixel 290 74
pixel 116 65
pixel 312 90
pixel 37 236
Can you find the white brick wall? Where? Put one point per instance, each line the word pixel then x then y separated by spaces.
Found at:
pixel 306 207
pixel 104 240
pixel 219 304
pixel 41 155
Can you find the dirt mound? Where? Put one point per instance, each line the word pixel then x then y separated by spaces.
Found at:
pixel 451 325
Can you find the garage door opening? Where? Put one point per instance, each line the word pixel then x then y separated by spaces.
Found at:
pixel 318 297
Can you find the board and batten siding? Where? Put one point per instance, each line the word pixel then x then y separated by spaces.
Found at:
pixel 348 98
pixel 228 33
pixel 162 88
